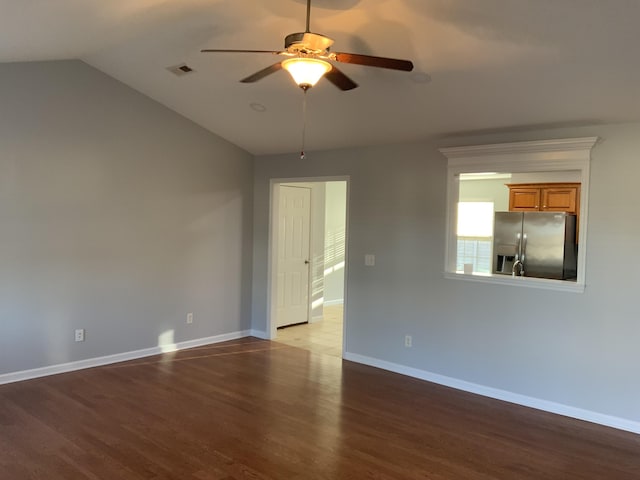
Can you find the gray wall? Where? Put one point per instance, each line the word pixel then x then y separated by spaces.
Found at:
pixel 488 190
pixel 117 216
pixel 544 177
pixel 318 200
pixel 335 218
pixel 579 350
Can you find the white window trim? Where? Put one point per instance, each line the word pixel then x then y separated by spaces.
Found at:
pixel 519 157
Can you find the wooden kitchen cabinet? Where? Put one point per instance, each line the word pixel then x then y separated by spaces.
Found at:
pixel 524 199
pixel 545 197
pixel 562 198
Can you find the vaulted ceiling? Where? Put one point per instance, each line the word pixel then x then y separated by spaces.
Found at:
pixel 480 65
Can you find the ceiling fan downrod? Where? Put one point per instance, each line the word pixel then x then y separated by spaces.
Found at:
pixel 308 16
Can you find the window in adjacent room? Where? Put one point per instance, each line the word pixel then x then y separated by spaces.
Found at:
pixel 475 236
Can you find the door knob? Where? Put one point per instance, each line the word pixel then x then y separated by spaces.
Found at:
pixel 306 262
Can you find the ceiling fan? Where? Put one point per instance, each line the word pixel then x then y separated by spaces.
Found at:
pixel 308 60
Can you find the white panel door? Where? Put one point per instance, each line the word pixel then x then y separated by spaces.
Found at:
pixel 293 256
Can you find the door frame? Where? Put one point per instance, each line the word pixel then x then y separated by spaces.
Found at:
pixel 274 206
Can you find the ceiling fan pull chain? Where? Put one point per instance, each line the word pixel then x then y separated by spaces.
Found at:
pixel 304 124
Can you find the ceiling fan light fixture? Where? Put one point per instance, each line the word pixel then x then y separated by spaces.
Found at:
pixel 306 71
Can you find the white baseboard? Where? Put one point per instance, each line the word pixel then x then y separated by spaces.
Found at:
pixel 329 303
pixel 119 357
pixel 532 402
pixel 259 334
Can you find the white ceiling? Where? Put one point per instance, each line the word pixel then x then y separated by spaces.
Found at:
pixel 492 64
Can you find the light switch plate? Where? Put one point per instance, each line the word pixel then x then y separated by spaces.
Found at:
pixel 369 260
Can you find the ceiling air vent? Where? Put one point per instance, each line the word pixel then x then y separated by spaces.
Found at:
pixel 180 70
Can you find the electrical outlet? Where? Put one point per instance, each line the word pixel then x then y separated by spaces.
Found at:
pixel 80 335
pixel 408 341
pixel 189 317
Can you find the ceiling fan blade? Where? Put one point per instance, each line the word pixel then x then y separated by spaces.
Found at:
pixel 262 73
pixel 371 61
pixel 217 50
pixel 339 79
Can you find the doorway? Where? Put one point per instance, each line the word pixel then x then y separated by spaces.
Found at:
pixel 308 264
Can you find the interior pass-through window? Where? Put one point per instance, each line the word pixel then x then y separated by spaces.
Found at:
pixel 517 212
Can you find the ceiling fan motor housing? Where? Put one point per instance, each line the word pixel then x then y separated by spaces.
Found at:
pixel 307 42
pixel 312 49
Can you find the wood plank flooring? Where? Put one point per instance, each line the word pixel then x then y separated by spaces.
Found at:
pixel 253 409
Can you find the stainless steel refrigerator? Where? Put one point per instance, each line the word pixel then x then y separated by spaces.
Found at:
pixel 535 244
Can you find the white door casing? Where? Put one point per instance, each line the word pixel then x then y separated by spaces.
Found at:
pixel 292 264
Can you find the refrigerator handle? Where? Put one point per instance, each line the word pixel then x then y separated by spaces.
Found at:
pixel 523 252
pixel 519 257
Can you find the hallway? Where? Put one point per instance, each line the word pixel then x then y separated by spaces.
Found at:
pixel 324 336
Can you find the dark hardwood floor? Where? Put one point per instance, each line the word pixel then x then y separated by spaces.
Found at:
pixel 253 409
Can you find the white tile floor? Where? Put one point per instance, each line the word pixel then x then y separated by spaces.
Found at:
pixel 324 336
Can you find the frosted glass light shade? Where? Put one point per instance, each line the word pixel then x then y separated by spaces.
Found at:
pixel 306 71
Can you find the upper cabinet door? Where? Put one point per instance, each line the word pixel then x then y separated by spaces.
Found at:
pixel 524 199
pixel 560 199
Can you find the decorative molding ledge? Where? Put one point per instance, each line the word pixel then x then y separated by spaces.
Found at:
pixel 529 282
pixel 504 395
pixel 552 155
pixel 121 357
pixel 555 145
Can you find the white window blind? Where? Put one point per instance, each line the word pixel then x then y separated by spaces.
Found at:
pixel 475 236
